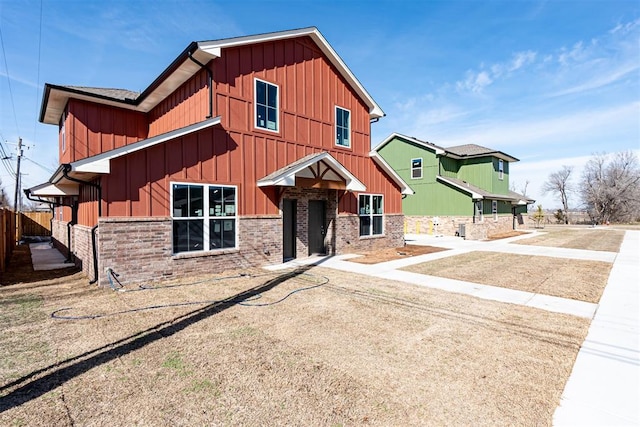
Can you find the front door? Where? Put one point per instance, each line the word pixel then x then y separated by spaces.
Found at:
pixel 316 227
pixel 288 229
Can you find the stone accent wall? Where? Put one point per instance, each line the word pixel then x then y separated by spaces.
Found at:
pixel 140 249
pixel 449 226
pixel 348 234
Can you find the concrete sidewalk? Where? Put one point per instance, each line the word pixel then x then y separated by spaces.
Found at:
pixel 45 257
pixel 604 386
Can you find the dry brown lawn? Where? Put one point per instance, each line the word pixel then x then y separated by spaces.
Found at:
pixel 352 350
pixel 607 240
pixel 574 279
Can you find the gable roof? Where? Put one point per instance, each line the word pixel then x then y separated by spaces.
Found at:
pixel 317 165
pixel 55 97
pixel 473 151
pixel 424 144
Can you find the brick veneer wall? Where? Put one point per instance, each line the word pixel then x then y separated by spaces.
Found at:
pixel 140 249
pixel 81 247
pixel 449 225
pixel 348 239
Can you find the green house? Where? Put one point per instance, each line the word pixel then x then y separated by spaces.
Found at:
pixel 461 190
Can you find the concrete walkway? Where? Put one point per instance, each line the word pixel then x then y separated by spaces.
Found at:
pixel 604 386
pixel 45 257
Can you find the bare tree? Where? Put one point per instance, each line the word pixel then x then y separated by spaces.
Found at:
pixel 559 183
pixel 610 189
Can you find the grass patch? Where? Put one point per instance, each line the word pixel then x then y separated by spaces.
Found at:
pixel 606 240
pixel 575 279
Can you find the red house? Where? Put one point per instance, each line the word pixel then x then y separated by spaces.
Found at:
pixel 243 152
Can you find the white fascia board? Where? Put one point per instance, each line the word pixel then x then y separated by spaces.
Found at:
pixel 405 189
pixel 101 163
pixel 474 195
pixel 374 109
pixel 54 190
pixel 437 150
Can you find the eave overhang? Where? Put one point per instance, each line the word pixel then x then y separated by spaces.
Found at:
pixel 54 190
pixel 404 187
pixel 423 144
pixel 474 194
pixel 318 167
pixel 56 97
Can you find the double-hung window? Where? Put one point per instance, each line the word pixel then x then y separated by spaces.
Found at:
pixel 266 113
pixel 370 210
pixel 63 136
pixel 416 168
pixel 343 127
pixel 494 209
pixel 204 217
pixel 500 169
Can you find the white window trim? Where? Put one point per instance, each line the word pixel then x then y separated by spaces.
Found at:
pixel 421 167
pixel 500 169
pixel 371 215
pixel 335 128
pixel 479 207
pixel 255 106
pixel 205 218
pixel 494 209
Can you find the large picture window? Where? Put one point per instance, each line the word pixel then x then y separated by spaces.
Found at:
pixel 266 105
pixel 204 217
pixel 343 127
pixel 370 210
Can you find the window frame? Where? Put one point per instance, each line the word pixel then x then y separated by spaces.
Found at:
pixel 267 106
pixel 63 137
pixel 371 215
pixel 336 127
pixel 415 169
pixel 500 169
pixel 494 209
pixel 206 217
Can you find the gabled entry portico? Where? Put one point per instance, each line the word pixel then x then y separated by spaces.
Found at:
pixel 309 192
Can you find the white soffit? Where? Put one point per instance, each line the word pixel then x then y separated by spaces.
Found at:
pixel 474 195
pixel 54 190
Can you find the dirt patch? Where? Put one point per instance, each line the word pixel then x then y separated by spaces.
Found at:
pixel 306 347
pixel 383 255
pixel 506 235
pixel 606 240
pixel 575 279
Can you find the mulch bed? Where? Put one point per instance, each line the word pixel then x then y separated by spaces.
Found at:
pixel 391 254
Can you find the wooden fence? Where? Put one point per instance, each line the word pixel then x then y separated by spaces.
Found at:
pixel 36 223
pixel 7 236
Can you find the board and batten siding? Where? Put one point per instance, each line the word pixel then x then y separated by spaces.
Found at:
pixel 236 153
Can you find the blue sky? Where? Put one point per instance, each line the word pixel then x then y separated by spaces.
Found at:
pixel 549 82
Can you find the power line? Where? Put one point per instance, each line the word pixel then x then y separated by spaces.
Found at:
pixel 4 54
pixel 35 122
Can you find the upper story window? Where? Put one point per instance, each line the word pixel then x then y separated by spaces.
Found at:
pixel 266 106
pixel 500 169
pixel 370 210
pixel 343 127
pixel 204 217
pixel 63 137
pixel 416 168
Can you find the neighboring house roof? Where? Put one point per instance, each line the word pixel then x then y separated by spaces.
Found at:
pixel 424 144
pixel 474 150
pixel 320 166
pixel 478 193
pixel 183 68
pixel 87 168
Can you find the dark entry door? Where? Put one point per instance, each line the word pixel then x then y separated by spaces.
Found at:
pixel 289 229
pixel 316 227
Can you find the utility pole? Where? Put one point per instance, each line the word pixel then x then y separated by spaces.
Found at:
pixel 15 199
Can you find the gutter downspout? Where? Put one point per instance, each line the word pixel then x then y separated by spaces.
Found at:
pixel 65 172
pixel 210 83
pixel 70 224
